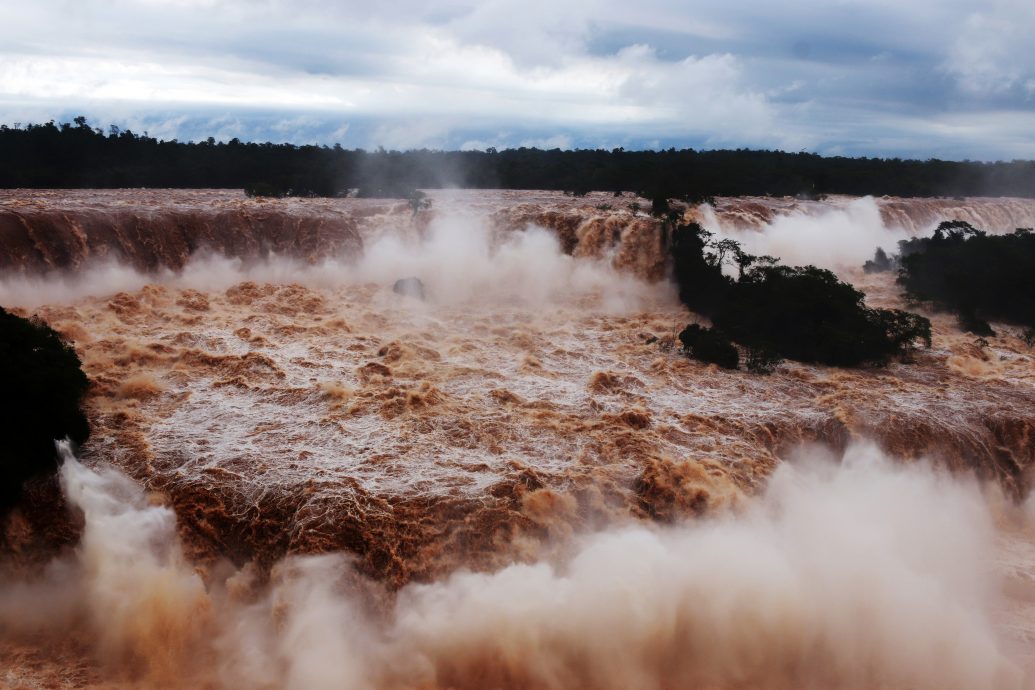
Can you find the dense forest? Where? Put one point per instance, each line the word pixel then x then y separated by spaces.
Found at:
pixel 70 155
pixel 979 276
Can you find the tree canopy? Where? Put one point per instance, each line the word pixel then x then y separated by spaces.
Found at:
pixel 803 313
pixel 43 385
pixel 979 276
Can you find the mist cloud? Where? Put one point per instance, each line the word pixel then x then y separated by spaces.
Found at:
pixel 848 573
pixel 459 259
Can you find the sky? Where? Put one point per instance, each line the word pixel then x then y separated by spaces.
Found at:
pixel 952 79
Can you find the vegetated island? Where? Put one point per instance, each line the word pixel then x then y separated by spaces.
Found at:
pixel 965 270
pixel 778 312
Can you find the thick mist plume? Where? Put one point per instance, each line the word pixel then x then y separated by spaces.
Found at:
pixel 459 258
pixel 849 574
pixel 833 237
pixel 127 588
pixel 142 600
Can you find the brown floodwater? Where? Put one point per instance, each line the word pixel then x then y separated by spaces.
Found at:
pixel 515 482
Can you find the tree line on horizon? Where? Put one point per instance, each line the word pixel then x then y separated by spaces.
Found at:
pixel 78 155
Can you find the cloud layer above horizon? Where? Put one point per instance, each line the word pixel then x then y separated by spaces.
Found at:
pixel 927 78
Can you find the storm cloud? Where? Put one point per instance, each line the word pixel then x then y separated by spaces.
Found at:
pixel 945 78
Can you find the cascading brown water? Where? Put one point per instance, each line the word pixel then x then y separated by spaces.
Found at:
pixel 253 369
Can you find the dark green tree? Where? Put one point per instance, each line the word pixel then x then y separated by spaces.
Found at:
pixel 775 311
pixel 977 275
pixel 709 345
pixel 43 386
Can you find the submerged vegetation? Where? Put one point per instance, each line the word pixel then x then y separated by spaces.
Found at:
pixel 77 155
pixel 40 403
pixel 978 276
pixel 775 311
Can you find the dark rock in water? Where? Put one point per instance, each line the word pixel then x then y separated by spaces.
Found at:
pixel 409 287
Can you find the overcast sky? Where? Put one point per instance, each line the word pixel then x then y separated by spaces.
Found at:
pixel 918 78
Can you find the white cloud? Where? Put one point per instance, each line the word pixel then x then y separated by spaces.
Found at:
pixel 702 94
pixel 502 72
pixel 110 79
pixel 558 141
pixel 530 32
pixel 411 134
pixel 993 52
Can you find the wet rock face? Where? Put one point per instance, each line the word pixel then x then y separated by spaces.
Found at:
pixel 409 287
pixel 69 233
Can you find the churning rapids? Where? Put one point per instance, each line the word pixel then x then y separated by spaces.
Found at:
pixel 300 479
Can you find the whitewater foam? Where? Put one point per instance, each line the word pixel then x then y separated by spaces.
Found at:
pixel 854 572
